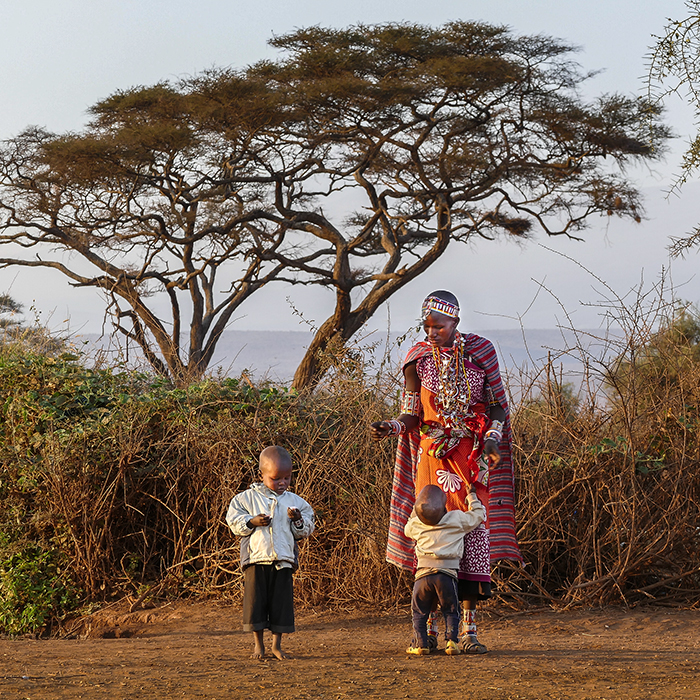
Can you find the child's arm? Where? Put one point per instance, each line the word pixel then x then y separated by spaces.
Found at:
pixel 409 528
pixel 476 514
pixel 239 518
pixel 301 520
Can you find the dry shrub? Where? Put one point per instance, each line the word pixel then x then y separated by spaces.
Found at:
pixel 608 485
pixel 134 485
pixel 129 479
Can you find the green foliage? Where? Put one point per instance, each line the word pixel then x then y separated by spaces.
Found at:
pixel 35 590
pixel 664 363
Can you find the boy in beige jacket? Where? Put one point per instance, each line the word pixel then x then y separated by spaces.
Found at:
pixel 439 537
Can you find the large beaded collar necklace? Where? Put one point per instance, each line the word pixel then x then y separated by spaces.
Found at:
pixel 454 391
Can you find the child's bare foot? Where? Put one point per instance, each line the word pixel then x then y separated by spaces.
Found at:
pixel 258 646
pixel 277 647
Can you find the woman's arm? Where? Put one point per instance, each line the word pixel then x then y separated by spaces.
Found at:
pixel 497 415
pixel 383 428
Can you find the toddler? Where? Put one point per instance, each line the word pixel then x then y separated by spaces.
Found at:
pixel 439 537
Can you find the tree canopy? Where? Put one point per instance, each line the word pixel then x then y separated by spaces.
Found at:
pixel 351 163
pixel 674 69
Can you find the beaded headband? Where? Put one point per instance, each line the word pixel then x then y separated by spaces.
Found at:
pixel 441 306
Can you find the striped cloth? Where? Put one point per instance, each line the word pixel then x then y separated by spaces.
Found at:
pixel 503 542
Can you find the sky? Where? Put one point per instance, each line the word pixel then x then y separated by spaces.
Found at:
pixel 57 57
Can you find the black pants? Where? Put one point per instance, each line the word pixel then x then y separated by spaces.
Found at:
pixel 428 591
pixel 268 599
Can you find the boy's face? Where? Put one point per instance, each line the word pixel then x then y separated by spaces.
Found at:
pixel 276 477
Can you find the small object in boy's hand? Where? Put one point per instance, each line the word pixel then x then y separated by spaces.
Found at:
pixel 261 520
pixel 294 514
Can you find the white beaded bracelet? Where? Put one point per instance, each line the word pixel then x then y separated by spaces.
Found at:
pixel 397 427
pixel 493 435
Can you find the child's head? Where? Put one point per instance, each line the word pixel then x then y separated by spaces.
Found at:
pixel 276 468
pixel 430 504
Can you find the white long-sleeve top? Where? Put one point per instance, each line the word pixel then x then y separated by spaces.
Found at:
pixel 273 543
pixel 441 546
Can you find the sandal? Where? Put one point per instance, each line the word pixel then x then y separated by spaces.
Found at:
pixel 471 645
pixel 451 648
pixel 419 651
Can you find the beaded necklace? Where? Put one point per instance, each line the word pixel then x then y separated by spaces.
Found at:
pixel 454 391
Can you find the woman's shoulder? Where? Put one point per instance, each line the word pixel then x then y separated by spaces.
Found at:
pixel 472 340
pixel 478 346
pixel 420 349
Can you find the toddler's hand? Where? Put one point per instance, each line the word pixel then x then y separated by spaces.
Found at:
pixel 294 514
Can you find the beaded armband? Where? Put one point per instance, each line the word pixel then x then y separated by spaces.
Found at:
pixel 397 427
pixel 495 431
pixel 410 403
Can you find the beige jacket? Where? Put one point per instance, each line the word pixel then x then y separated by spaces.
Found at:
pixel 441 546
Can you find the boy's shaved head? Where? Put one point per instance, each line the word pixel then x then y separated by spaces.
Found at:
pixel 430 504
pixel 276 468
pixel 275 456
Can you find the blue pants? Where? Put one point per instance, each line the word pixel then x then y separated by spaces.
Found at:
pixel 431 592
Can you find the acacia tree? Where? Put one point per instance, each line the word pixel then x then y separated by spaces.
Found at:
pixel 674 69
pixel 350 163
pixel 139 197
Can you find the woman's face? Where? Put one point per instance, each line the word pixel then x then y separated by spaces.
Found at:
pixel 440 329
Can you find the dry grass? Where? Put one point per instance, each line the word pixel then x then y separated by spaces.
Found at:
pixel 607 483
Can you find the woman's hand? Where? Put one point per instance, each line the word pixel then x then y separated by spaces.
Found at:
pixel 379 429
pixel 492 452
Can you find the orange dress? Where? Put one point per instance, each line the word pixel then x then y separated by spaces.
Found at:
pixel 457 387
pixel 462 465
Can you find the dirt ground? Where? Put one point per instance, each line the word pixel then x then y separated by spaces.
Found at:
pixel 199 651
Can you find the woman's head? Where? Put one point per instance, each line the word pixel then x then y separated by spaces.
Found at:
pixel 440 315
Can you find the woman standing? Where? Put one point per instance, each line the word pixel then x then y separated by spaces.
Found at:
pixel 454 417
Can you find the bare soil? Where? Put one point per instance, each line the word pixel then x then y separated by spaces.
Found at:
pixel 199 651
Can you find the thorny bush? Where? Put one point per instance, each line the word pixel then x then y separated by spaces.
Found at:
pixel 125 480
